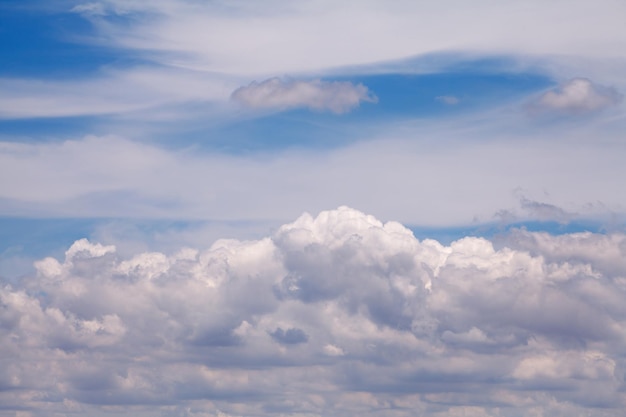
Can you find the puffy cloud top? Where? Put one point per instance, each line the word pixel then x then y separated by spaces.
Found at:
pixel 578 95
pixel 275 93
pixel 338 313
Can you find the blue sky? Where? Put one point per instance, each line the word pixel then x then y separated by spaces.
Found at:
pixel 462 165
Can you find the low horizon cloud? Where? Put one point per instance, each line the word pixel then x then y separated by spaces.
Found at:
pixel 284 94
pixel 335 313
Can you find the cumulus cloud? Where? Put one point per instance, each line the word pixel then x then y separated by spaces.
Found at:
pixel 577 96
pixel 338 313
pixel 334 96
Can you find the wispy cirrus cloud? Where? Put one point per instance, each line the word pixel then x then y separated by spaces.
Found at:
pixel 111 92
pixel 90 9
pixel 282 94
pixel 281 38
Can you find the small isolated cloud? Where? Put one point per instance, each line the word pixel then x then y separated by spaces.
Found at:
pixel 334 96
pixel 89 9
pixel 449 100
pixel 577 96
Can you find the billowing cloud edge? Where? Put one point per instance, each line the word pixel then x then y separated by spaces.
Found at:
pixel 353 314
pixel 576 96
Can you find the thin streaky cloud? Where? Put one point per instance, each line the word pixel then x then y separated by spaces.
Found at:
pixel 281 38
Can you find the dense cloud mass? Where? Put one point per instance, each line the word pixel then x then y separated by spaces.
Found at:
pixel 335 315
pixel 275 93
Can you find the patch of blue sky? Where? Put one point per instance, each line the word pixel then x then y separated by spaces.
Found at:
pixel 40 237
pixel 400 97
pixel 420 95
pixel 47 129
pixel 24 240
pixel 446 235
pixel 34 238
pixel 53 44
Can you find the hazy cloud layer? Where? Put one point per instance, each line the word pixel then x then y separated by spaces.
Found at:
pixel 285 38
pixel 435 176
pixel 577 96
pixel 111 92
pixel 334 96
pixel 336 314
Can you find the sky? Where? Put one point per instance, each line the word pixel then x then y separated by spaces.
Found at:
pixel 314 208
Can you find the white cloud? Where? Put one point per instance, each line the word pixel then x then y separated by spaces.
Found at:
pixel 111 92
pixel 89 9
pixel 288 38
pixel 430 175
pixel 577 96
pixel 335 96
pixel 185 39
pixel 348 312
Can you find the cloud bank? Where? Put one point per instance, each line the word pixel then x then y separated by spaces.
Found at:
pixel 338 314
pixel 434 177
pixel 334 96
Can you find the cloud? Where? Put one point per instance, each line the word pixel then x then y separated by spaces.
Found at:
pixel 426 175
pixel 111 92
pixel 291 336
pixel 89 9
pixel 577 96
pixel 286 38
pixel 335 313
pixel 544 211
pixel 449 100
pixel 334 96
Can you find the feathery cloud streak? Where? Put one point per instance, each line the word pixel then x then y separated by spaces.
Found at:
pixel 280 38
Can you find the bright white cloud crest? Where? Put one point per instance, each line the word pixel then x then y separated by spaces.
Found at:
pixel 337 97
pixel 339 313
pixel 578 95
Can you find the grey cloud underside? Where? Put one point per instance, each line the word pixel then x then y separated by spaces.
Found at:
pixel 339 314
